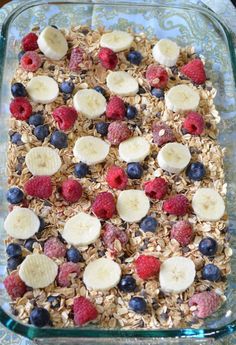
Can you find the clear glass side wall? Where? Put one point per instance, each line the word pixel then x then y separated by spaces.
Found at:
pixel 186 25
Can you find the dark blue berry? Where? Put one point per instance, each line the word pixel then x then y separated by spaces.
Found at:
pixel 74 255
pixel 211 272
pixel 138 305
pixel 21 53
pixel 36 120
pixel 208 246
pixel 134 57
pixel 41 132
pixel 67 87
pixel 54 301
pixel 13 249
pixel 42 223
pixel 131 112
pixel 149 224
pixel 29 244
pixel 100 90
pixel 196 171
pixel 13 262
pixel 81 170
pixel 15 195
pixel 127 283
pixel 134 170
pixel 59 140
pixel 159 93
pixel 18 90
pixel 102 128
pixel 39 317
pixel 16 139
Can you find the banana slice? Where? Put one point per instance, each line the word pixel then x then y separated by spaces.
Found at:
pixel 21 223
pixel 116 40
pixel 132 205
pixel 38 271
pixel 208 204
pixel 135 149
pixel 52 43
pixel 90 103
pixel 182 98
pixel 176 274
pixel 42 89
pixel 90 150
pixel 166 52
pixel 102 274
pixel 43 161
pixel 173 157
pixel 81 229
pixel 122 83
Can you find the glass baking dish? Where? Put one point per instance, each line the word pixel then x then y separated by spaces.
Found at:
pixel 187 25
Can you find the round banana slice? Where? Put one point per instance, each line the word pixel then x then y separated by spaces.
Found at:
pixel 166 52
pixel 90 150
pixel 21 223
pixel 102 274
pixel 182 98
pixel 38 271
pixel 42 89
pixel 43 161
pixel 208 204
pixel 132 205
pixel 122 83
pixel 90 103
pixel 173 157
pixel 116 40
pixel 52 43
pixel 81 229
pixel 135 149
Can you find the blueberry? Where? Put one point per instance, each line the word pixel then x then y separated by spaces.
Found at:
pixel 39 317
pixel 131 112
pixel 21 53
pixel 149 224
pixel 54 301
pixel 196 171
pixel 29 244
pixel 41 132
pixel 13 249
pixel 42 223
pixel 138 305
pixel 81 170
pixel 211 272
pixel 16 139
pixel 127 283
pixel 74 255
pixel 102 128
pixel 208 246
pixel 159 93
pixel 134 170
pixel 67 87
pixel 134 57
pixel 14 195
pixel 59 140
pixel 100 90
pixel 36 120
pixel 13 262
pixel 18 90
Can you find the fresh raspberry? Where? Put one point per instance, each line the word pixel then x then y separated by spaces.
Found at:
pixel 71 190
pixel 29 42
pixel 162 133
pixel 39 186
pixel 116 177
pixel 14 285
pixel 194 123
pixel 65 117
pixel 177 205
pixel 156 188
pixel 104 205
pixel 118 131
pixel 76 57
pixel 65 270
pixel 207 303
pixel 115 109
pixel 111 234
pixel 31 61
pixel 157 76
pixel 195 71
pixel 54 248
pixel 108 58
pixel 147 266
pixel 182 232
pixel 84 311
pixel 20 108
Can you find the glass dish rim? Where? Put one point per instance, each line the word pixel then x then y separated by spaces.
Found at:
pixel 33 332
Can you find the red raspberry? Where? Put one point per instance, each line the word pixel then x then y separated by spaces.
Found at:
pixel 195 71
pixel 194 123
pixel 76 57
pixel 207 303
pixel 116 178
pixel 182 232
pixel 115 109
pixel 14 285
pixel 65 117
pixel 147 266
pixel 29 42
pixel 112 233
pixel 108 58
pixel 156 188
pixel 20 108
pixel 84 311
pixel 157 76
pixel 31 61
pixel 71 190
pixel 54 248
pixel 104 205
pixel 39 186
pixel 162 134
pixel 177 205
pixel 117 132
pixel 65 270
